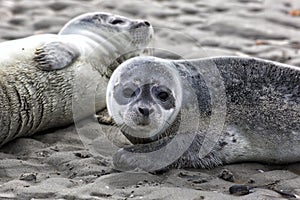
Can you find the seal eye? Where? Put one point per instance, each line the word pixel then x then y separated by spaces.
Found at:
pixel 161 93
pixel 163 96
pixel 130 93
pixel 117 21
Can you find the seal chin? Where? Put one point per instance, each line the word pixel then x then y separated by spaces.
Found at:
pixel 143 134
pixel 143 122
pixel 135 136
pixel 142 129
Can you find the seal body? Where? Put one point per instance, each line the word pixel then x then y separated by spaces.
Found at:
pixel 248 110
pixel 42 76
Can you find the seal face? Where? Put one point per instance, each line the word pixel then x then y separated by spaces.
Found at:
pixel 261 119
pixel 143 103
pixel 110 27
pixel 47 80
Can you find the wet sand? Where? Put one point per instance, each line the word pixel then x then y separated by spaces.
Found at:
pixel 59 164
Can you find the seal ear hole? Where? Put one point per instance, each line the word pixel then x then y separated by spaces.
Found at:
pixel 98 18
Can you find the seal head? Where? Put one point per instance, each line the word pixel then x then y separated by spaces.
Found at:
pixel 112 36
pixel 146 99
pixel 96 26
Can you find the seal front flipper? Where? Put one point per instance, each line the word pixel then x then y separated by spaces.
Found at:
pixel 55 56
pixel 140 157
pixel 164 154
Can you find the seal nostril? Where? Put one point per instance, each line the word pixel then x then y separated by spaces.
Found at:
pixel 141 24
pixel 144 111
pixel 147 23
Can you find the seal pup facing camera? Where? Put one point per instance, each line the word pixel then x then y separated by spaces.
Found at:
pixel 261 116
pixel 42 75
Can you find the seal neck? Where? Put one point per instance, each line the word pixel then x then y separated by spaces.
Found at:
pixel 109 50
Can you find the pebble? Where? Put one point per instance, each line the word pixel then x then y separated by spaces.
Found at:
pixel 84 154
pixel 240 190
pixel 226 175
pixel 28 177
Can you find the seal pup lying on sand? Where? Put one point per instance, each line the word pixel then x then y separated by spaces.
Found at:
pixel 41 75
pixel 206 112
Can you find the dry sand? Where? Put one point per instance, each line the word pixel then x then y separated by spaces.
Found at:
pixel 56 164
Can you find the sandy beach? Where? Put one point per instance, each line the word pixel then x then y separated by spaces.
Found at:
pixel 65 164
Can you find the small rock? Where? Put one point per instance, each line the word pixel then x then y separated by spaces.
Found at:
pixel 226 175
pixel 260 171
pixel 28 177
pixel 43 153
pixel 140 183
pixel 240 189
pixel 83 154
pixel 251 180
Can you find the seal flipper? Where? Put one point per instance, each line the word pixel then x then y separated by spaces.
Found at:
pixel 55 56
pixel 139 156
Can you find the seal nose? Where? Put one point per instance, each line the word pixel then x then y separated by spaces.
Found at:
pixel 144 111
pixel 141 24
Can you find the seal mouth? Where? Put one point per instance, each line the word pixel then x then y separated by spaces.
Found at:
pixel 145 121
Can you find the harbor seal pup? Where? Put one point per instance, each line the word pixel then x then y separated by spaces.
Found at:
pixel 149 98
pixel 42 74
